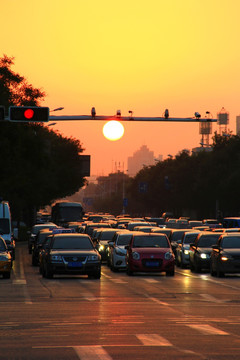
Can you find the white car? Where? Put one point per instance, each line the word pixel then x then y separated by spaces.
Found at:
pixel 183 246
pixel 117 251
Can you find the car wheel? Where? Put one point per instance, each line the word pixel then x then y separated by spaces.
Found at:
pixel 7 275
pixel 34 262
pixel 197 268
pixel 113 268
pixel 97 274
pixel 220 273
pixel 129 271
pixel 212 272
pixel 49 273
pixel 191 266
pixel 183 266
pixel 170 272
pixel 177 260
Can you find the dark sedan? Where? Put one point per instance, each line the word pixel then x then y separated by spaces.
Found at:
pixel 71 254
pixel 200 250
pixel 225 256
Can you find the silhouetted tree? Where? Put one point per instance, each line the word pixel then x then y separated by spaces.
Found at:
pixel 37 164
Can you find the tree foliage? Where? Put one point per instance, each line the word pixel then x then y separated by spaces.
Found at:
pixel 197 184
pixel 37 164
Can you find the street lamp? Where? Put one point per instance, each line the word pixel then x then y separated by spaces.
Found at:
pixel 57 109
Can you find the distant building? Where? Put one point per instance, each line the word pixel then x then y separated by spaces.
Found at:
pixel 142 157
pixel 238 125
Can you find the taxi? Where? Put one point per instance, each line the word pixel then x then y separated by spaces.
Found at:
pixel 5 260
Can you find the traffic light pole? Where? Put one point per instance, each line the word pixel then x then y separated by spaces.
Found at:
pixel 128 118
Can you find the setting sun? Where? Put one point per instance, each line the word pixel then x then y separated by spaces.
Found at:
pixel 113 130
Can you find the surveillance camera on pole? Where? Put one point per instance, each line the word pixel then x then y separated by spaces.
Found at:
pixel 166 114
pixel 93 112
pixel 197 115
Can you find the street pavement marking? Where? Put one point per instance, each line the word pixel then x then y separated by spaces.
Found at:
pixel 212 298
pixel 119 281
pixel 92 353
pixel 153 340
pixel 207 329
pixel 19 282
pixel 157 301
pixel 107 276
pixel 151 281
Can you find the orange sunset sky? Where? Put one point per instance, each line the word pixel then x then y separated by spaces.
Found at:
pixel 137 55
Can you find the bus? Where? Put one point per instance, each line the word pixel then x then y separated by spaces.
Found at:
pixel 64 212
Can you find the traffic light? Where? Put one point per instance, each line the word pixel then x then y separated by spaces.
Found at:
pixel 28 113
pixel 2 113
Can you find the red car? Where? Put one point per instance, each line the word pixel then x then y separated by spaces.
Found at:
pixel 149 252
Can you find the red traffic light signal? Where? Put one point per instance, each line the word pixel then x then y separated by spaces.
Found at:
pixel 29 113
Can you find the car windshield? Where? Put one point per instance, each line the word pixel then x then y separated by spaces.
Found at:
pixel 123 240
pixel 2 246
pixel 108 235
pixel 190 238
pixel 42 236
pixel 207 241
pixel 151 241
pixel 4 226
pixel 232 242
pixel 177 235
pixel 70 243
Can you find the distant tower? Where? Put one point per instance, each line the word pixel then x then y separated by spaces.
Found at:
pixel 238 125
pixel 223 121
pixel 205 129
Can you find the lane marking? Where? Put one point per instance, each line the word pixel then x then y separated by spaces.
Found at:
pixel 153 340
pixel 151 281
pixel 19 282
pixel 207 329
pixel 212 298
pixel 92 353
pixel 119 281
pixel 156 300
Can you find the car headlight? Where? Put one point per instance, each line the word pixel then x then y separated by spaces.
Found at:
pixel 56 258
pixel 225 258
pixel 168 255
pixel 204 256
pixel 101 248
pixel 186 252
pixel 93 258
pixel 120 252
pixel 136 255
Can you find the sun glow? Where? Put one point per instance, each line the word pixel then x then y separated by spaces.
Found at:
pixel 113 130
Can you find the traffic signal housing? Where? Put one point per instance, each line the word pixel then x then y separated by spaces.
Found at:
pixel 2 113
pixel 29 113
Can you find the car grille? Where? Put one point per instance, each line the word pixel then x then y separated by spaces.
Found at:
pixel 152 263
pixel 74 258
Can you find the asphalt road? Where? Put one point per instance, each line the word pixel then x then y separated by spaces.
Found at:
pixel 188 316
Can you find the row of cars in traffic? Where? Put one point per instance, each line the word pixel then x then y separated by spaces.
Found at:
pixel 134 245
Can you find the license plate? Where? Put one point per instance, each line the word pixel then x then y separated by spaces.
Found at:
pixel 75 264
pixel 152 263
